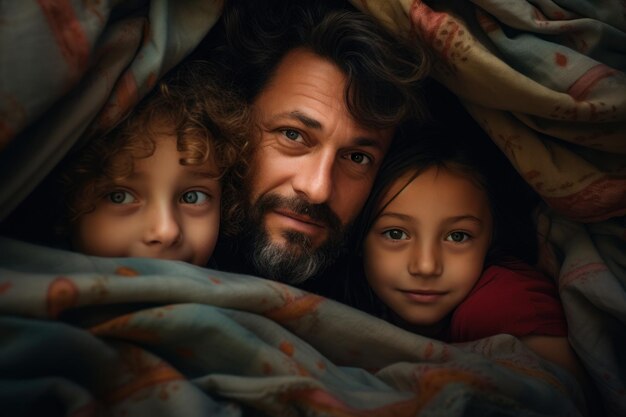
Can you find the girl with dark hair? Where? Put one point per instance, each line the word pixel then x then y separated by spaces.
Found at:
pixel 436 258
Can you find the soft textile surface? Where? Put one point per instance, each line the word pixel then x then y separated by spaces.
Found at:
pixel 544 78
pixel 165 338
pixel 70 68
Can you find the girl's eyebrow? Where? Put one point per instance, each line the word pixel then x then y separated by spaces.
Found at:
pixel 465 217
pixel 453 219
pixel 395 215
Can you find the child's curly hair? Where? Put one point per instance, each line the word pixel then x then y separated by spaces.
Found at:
pixel 210 123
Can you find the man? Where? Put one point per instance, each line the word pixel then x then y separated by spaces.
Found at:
pixel 327 87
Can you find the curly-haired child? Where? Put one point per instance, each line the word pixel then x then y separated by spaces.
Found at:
pixel 157 185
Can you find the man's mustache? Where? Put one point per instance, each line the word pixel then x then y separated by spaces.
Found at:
pixel 319 213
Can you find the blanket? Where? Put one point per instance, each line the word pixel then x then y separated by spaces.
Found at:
pixel 84 336
pixel 88 336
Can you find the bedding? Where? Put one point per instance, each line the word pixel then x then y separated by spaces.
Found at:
pixel 85 336
pixel 153 337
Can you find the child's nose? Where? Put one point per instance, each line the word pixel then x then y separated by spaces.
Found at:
pixel 426 260
pixel 163 227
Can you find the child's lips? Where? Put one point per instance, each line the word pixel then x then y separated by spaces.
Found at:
pixel 424 296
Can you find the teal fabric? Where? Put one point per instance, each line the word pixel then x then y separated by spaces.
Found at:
pixel 151 337
pixel 87 336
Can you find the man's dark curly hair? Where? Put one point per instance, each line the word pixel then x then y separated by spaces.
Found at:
pixel 384 71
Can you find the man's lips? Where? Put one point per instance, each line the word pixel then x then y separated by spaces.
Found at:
pixel 300 218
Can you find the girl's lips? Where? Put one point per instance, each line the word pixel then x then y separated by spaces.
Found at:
pixel 424 296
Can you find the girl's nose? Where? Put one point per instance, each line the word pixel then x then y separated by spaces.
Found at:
pixel 426 260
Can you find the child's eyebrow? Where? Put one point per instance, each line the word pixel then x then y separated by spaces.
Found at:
pixel 465 217
pixel 399 216
pixel 197 173
pixel 453 219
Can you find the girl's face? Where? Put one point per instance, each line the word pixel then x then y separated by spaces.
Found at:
pixel 425 251
pixel 162 210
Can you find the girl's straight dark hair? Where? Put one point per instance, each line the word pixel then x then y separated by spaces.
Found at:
pixel 414 151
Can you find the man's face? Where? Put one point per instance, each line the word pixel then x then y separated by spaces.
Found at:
pixel 312 171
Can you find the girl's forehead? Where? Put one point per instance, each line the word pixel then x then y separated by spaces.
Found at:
pixel 433 180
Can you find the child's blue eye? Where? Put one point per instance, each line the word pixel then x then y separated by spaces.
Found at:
pixel 120 197
pixel 194 197
pixel 395 234
pixel 457 237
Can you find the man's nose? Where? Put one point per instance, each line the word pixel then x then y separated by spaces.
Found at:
pixel 426 260
pixel 162 225
pixel 313 179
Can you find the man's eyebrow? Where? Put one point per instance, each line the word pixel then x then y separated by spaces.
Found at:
pixel 301 117
pixel 314 124
pixel 362 141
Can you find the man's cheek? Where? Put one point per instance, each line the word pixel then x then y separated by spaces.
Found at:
pixel 352 205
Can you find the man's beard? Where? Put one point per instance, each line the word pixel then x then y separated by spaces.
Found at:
pixel 295 260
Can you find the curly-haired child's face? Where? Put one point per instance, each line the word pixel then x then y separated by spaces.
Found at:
pixel 162 210
pixel 425 251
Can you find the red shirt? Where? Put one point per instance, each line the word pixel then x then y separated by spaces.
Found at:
pixel 516 299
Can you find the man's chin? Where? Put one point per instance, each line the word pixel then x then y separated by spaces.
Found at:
pixel 288 248
pixel 296 239
pixel 285 249
pixel 290 258
pixel 293 242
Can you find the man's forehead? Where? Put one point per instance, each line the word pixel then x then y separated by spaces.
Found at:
pixel 308 91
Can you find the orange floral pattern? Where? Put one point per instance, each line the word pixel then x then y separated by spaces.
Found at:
pixel 126 346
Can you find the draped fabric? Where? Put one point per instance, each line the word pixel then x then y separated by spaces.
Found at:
pixel 137 337
pixel 87 336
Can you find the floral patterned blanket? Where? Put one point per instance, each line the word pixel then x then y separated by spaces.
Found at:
pixel 136 337
pixel 83 336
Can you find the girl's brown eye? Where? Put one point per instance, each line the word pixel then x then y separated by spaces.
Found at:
pixel 395 234
pixel 458 237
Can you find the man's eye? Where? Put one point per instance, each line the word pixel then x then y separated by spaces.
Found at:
pixel 194 197
pixel 292 135
pixel 360 158
pixel 121 197
pixel 395 234
pixel 457 237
